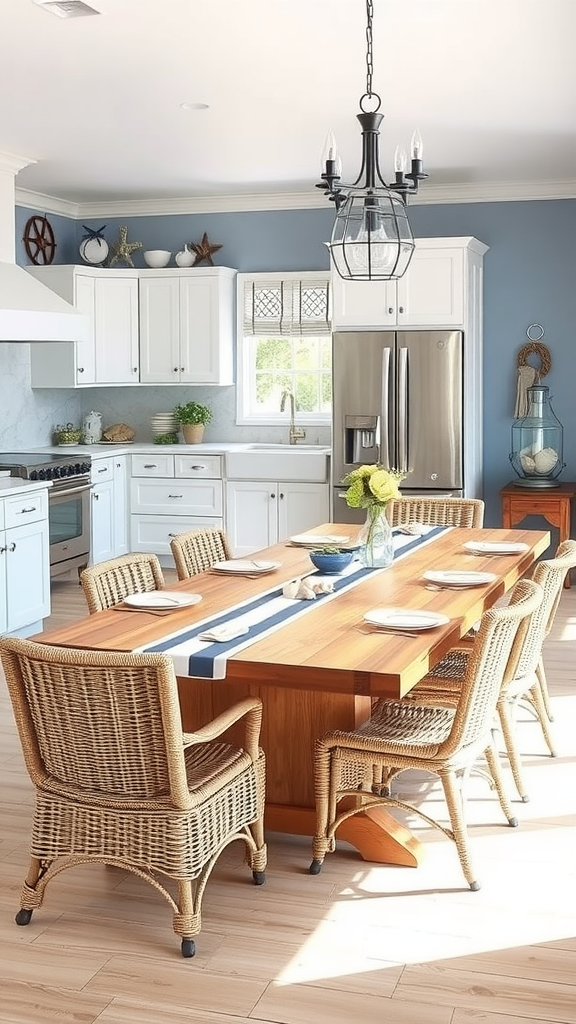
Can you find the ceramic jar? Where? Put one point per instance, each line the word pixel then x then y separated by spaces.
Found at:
pixel 92 427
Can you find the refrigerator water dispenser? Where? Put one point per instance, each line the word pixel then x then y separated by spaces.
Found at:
pixel 361 440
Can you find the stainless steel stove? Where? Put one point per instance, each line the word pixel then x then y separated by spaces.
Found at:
pixel 69 502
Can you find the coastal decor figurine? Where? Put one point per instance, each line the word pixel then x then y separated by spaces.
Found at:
pixel 123 249
pixel 204 251
pixel 94 248
pixel 92 427
pixel 372 487
pixel 193 417
pixel 185 258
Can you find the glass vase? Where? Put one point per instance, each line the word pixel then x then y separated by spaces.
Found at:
pixel 375 539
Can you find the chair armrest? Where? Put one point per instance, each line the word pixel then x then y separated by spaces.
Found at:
pixel 249 708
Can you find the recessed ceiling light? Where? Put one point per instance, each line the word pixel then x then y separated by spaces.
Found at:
pixel 195 106
pixel 67 8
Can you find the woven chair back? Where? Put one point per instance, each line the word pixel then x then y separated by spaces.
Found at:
pixel 198 550
pixel 110 582
pixel 104 727
pixel 549 574
pixel 466 512
pixel 487 665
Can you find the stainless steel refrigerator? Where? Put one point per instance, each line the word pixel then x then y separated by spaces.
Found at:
pixel 398 400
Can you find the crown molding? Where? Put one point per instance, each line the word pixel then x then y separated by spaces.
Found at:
pixel 487 192
pixel 13 163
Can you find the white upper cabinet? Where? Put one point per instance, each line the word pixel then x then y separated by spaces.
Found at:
pixel 433 292
pixel 186 326
pixel 110 355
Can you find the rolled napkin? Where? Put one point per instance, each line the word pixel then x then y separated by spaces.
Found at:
pixel 306 590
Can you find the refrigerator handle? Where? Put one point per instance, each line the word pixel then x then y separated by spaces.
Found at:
pixel 403 410
pixel 385 411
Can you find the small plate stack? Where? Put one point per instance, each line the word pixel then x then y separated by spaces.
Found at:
pixel 164 423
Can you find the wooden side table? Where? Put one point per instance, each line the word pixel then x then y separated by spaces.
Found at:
pixel 553 503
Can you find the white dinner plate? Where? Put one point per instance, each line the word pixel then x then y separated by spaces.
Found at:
pixel 455 578
pixel 161 599
pixel 405 618
pixel 318 540
pixel 480 547
pixel 245 565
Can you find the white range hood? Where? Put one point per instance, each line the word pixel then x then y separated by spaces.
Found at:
pixel 29 311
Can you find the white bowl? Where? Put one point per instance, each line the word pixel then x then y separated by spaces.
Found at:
pixel 157 257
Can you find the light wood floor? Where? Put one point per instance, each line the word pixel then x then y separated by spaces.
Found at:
pixel 357 943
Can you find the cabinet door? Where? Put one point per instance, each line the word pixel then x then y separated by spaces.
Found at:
pixel 159 301
pixel 120 505
pixel 206 332
pixel 431 293
pixel 116 330
pixel 358 304
pixel 300 507
pixel 85 351
pixel 251 515
pixel 27 574
pixel 102 526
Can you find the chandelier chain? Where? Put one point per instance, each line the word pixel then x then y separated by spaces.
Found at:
pixel 369 53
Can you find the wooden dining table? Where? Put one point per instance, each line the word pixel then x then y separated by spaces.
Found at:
pixel 318 671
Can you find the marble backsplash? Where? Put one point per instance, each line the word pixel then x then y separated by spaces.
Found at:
pixel 28 417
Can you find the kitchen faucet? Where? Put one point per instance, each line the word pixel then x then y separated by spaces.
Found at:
pixel 296 433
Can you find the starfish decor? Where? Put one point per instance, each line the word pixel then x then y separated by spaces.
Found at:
pixel 123 249
pixel 204 250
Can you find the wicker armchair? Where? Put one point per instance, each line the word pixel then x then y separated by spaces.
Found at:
pixel 108 583
pixel 443 740
pixel 525 679
pixel 198 550
pixel 468 512
pixel 119 783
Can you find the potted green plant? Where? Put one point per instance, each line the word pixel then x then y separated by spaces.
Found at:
pixel 193 417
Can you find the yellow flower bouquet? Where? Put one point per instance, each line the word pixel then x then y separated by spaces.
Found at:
pixel 372 487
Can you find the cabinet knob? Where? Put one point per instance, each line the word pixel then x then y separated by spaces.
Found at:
pixel 2 550
pixel 80 369
pixel 390 309
pixel 134 369
pixel 281 495
pixel 272 495
pixel 400 309
pixel 12 546
pixel 95 496
pixel 182 368
pixel 175 369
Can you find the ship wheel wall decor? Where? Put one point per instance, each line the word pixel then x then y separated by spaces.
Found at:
pixel 39 241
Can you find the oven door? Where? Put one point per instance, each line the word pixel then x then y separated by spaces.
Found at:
pixel 69 527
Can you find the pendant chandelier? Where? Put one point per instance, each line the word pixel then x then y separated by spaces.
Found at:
pixel 371 238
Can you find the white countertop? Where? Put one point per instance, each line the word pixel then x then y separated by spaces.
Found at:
pixel 16 485
pixel 96 451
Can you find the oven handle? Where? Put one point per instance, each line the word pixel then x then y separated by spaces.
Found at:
pixel 66 492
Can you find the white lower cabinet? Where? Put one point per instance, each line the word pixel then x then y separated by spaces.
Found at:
pixel 261 513
pixel 172 494
pixel 109 523
pixel 24 562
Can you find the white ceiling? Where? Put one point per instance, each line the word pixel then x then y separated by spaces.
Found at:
pixel 491 84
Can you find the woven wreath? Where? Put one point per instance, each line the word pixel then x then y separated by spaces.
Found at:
pixel 536 348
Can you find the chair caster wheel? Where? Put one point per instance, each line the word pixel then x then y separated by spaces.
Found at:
pixel 23 917
pixel 259 877
pixel 187 947
pixel 315 867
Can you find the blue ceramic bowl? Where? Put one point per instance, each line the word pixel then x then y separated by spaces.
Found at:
pixel 331 563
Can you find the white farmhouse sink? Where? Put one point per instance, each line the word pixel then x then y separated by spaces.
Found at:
pixel 276 462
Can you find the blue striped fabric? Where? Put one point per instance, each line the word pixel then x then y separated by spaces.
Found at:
pixel 263 614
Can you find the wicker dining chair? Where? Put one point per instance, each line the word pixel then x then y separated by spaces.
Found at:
pixel 108 583
pixel 525 680
pixel 467 512
pixel 443 740
pixel 198 550
pixel 119 783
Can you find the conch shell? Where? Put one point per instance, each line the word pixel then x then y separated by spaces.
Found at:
pixel 305 590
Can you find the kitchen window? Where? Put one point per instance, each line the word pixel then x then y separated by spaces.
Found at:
pixel 284 344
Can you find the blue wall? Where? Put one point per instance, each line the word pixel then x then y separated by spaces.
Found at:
pixel 530 276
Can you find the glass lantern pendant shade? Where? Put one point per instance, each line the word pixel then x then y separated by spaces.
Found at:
pixel 537 442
